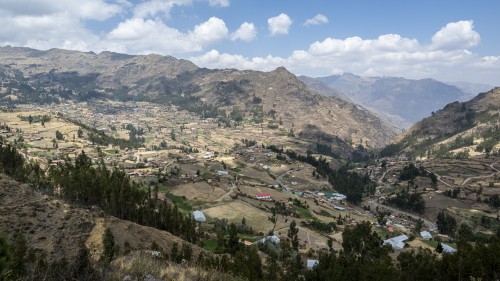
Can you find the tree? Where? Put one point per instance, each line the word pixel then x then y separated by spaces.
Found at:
pixel 19 250
pixel 383 165
pixel 439 248
pixel 419 264
pixel 59 135
pixel 465 233
pixel 4 255
pixel 232 243
pixel 109 247
pixel 418 226
pixel 446 223
pixel 80 133
pixel 163 144
pixel 247 263
pixel 187 252
pixel 293 235
pixel 174 253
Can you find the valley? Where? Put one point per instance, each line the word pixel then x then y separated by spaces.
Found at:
pixel 214 168
pixel 197 164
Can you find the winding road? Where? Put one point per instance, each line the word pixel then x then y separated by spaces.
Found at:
pixel 492 166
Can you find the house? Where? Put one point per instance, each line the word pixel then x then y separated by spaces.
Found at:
pixel 336 196
pixel 199 216
pixel 311 263
pixel 207 155
pixel 273 239
pixel 247 243
pixel 263 196
pixel 448 249
pixel 222 173
pixel 397 243
pixel 425 235
pixel 338 208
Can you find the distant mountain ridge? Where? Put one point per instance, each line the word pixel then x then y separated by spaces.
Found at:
pixel 54 74
pixel 457 130
pixel 405 101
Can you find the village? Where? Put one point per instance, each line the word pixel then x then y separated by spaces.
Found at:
pixel 212 171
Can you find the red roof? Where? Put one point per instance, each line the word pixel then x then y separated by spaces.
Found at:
pixel 263 195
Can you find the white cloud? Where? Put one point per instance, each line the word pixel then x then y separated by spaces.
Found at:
pixel 387 55
pixel 213 30
pixel 456 35
pixel 214 59
pixel 138 35
pixel 280 24
pixel 246 32
pixel 154 7
pixel 88 9
pixel 221 3
pixel 47 24
pixel 317 20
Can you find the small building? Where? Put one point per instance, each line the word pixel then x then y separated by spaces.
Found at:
pixel 397 243
pixel 263 196
pixel 336 196
pixel 222 173
pixel 247 243
pixel 272 239
pixel 448 249
pixel 199 216
pixel 338 208
pixel 425 235
pixel 311 263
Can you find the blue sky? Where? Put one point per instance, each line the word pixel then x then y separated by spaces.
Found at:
pixel 447 40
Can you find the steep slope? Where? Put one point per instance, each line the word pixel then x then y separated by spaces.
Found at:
pixel 57 229
pixel 472 126
pixel 405 100
pixel 53 74
pixel 322 88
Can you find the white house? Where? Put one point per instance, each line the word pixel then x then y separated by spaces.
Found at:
pixel 273 239
pixel 448 249
pixel 222 173
pixel 199 216
pixel 425 235
pixel 397 243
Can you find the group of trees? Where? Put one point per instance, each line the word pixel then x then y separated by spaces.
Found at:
pixel 115 193
pixel 446 223
pixel 84 184
pixel 405 200
pixel 353 185
pixel 410 172
pixel 363 258
pixel 18 261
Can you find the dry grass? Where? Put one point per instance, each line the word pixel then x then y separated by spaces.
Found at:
pixel 200 191
pixel 142 266
pixel 235 211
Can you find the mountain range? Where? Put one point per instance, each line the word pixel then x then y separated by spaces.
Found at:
pixel 42 76
pixel 404 101
pixel 458 130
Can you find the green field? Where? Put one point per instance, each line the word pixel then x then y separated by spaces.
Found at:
pixel 180 202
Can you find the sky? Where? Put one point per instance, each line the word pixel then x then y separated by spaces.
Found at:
pixel 448 40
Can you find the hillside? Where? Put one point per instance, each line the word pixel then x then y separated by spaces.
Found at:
pixel 458 130
pixel 277 96
pixel 57 228
pixel 405 100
